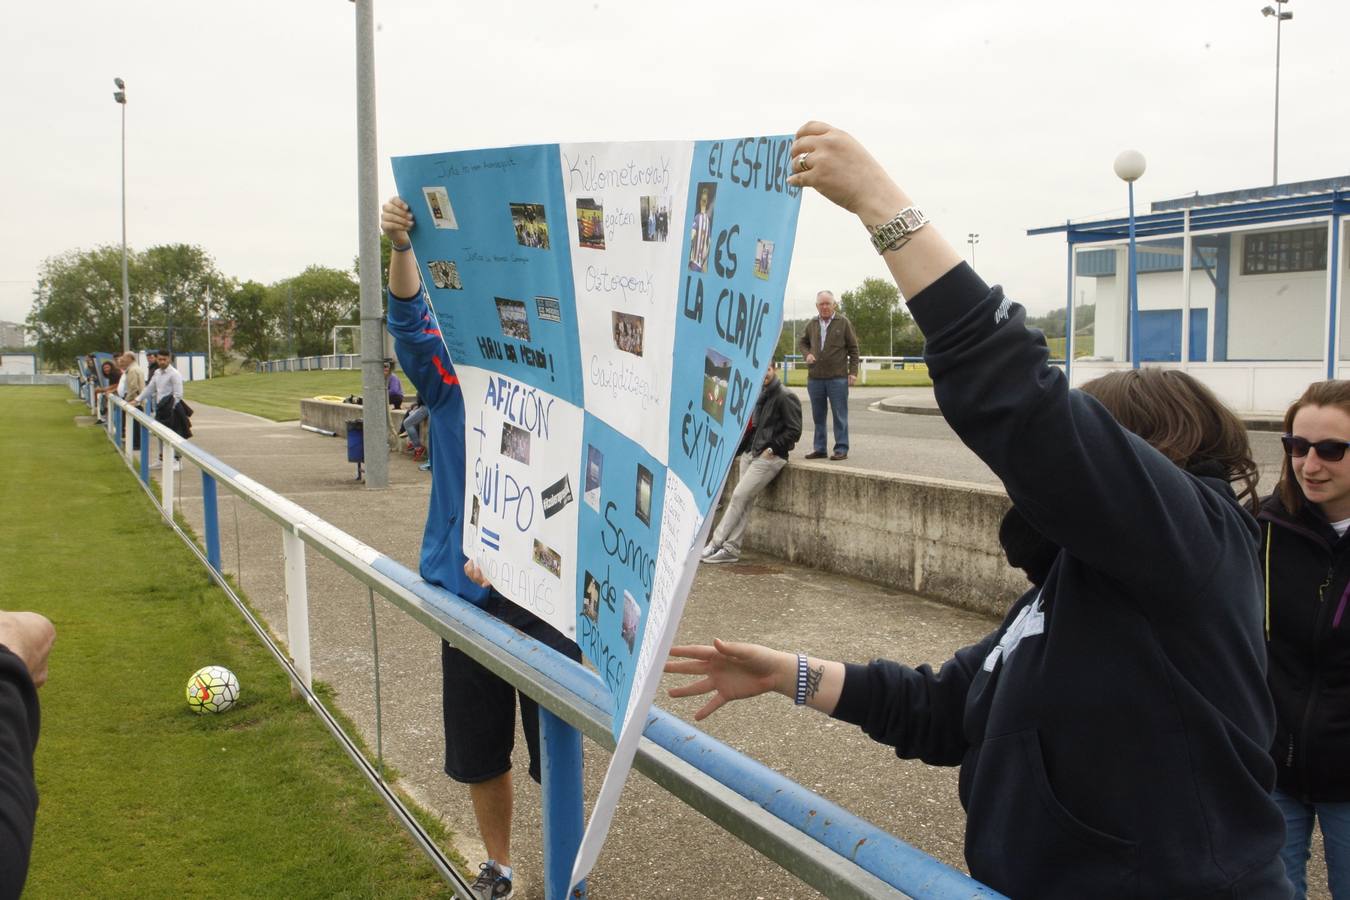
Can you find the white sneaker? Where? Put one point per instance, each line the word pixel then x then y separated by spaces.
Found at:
pixel 722 556
pixel 709 550
pixel 178 465
pixel 155 464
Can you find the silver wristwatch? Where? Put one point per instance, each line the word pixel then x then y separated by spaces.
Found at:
pixel 896 233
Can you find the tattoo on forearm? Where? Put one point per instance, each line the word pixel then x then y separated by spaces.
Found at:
pixel 813 677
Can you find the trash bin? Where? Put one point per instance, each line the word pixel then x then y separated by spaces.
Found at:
pixel 356 448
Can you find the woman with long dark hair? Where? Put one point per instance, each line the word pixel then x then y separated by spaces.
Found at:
pixel 1113 731
pixel 1307 565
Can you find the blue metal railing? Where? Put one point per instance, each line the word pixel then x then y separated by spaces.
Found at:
pixel 826 846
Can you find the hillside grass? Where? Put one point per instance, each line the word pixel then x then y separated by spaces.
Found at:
pixel 139 796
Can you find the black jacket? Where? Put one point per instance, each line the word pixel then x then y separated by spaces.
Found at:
pixel 176 414
pixel 777 422
pixel 1307 588
pixel 20 720
pixel 1113 733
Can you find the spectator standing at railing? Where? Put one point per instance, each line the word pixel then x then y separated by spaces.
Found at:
pixel 165 391
pixel 478 707
pixel 830 347
pixel 109 377
pixel 129 388
pixel 1113 732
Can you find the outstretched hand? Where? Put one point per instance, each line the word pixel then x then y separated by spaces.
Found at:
pixel 732 671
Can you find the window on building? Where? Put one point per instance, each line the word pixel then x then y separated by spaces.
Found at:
pixel 1304 250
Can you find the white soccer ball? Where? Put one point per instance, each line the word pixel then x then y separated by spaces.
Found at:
pixel 212 689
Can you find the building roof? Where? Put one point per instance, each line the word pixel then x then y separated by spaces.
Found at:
pixel 1230 209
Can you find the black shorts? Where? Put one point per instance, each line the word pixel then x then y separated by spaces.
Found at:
pixel 479 708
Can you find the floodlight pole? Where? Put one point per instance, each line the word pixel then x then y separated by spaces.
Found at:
pixel 374 388
pixel 120 95
pixel 1281 16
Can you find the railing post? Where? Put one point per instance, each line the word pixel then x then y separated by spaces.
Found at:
pixel 297 603
pixel 145 456
pixel 564 819
pixel 129 437
pixel 166 474
pixel 211 520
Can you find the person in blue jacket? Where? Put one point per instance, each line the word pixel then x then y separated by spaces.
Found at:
pixel 478 706
pixel 1113 731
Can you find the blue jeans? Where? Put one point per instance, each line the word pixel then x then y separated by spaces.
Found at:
pixel 1298 824
pixel 835 391
pixel 411 424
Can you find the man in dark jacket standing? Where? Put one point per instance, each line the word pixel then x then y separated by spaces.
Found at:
pixel 775 426
pixel 830 347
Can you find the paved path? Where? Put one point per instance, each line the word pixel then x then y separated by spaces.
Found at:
pixel 899 430
pixel 658 846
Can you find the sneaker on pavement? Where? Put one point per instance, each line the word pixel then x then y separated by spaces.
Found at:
pixel 723 555
pixel 492 883
pixel 815 454
pixel 709 550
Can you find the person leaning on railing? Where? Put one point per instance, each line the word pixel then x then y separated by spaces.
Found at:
pixel 478 706
pixel 1112 732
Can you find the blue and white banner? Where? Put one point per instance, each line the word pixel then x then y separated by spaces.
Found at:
pixel 610 310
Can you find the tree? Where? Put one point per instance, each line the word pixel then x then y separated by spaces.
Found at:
pixel 875 310
pixel 179 276
pixel 77 307
pixel 255 315
pixel 311 303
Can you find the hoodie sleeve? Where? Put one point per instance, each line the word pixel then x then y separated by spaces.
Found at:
pixel 19 722
pixel 919 712
pixel 1085 482
pixel 421 352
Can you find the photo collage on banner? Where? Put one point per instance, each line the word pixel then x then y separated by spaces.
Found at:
pixel 610 310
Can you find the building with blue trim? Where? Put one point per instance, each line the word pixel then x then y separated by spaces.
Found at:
pixel 1257 312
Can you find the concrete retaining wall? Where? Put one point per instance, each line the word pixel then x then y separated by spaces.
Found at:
pixel 922 535
pixel 334 416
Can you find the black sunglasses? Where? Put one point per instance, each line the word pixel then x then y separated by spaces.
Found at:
pixel 1327 451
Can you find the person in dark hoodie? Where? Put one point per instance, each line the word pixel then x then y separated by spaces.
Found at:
pixel 1307 563
pixel 1113 731
pixel 774 429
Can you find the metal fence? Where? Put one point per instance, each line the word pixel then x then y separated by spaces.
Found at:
pixel 311 363
pixel 826 846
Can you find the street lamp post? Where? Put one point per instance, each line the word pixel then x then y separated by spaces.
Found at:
pixel 120 95
pixel 1129 168
pixel 1281 16
pixel 972 238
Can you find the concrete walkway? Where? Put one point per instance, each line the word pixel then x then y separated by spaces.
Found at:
pixel 658 846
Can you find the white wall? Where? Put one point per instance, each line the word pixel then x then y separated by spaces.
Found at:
pixel 18 364
pixel 1276 317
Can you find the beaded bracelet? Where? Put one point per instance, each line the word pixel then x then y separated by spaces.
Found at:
pixel 801 680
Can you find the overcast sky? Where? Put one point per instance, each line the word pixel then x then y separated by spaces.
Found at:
pixel 996 116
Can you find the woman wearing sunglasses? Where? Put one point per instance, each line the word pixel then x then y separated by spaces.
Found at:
pixel 1307 561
